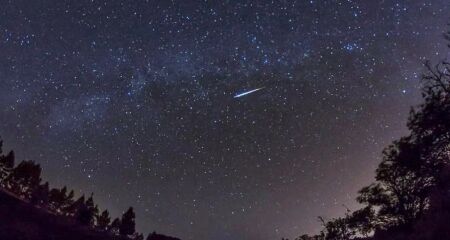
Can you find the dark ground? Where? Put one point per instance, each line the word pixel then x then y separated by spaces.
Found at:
pixel 21 221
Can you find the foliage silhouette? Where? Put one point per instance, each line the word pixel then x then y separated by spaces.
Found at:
pixel 115 226
pixel 127 224
pixel 40 195
pixel 103 220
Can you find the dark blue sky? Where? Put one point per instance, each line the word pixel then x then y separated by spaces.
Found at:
pixel 133 100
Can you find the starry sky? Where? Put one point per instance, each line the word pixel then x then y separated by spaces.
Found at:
pixel 135 101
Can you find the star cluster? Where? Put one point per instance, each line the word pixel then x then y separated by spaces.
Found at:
pixel 133 100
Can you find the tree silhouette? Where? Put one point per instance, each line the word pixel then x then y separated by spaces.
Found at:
pixel 403 184
pixel 336 229
pixel 138 236
pixel 434 224
pixel 91 210
pixel 83 211
pixel 60 199
pixel 40 196
pixel 84 215
pixel 103 220
pixel 411 166
pixel 362 221
pixel 307 237
pixel 115 226
pixel 412 180
pixel 127 226
pixel 77 204
pixel 6 165
pixel 25 178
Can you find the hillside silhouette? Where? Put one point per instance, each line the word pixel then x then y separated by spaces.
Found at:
pixel 30 210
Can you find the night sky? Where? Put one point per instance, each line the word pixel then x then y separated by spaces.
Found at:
pixel 138 102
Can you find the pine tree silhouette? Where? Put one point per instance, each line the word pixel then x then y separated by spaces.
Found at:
pixel 25 178
pixel 115 226
pixel 60 200
pixel 127 226
pixel 103 220
pixel 40 196
pixel 83 211
pixel 6 165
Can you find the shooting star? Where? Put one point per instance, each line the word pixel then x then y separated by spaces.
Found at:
pixel 246 93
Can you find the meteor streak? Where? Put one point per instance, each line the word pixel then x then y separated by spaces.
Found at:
pixel 246 93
